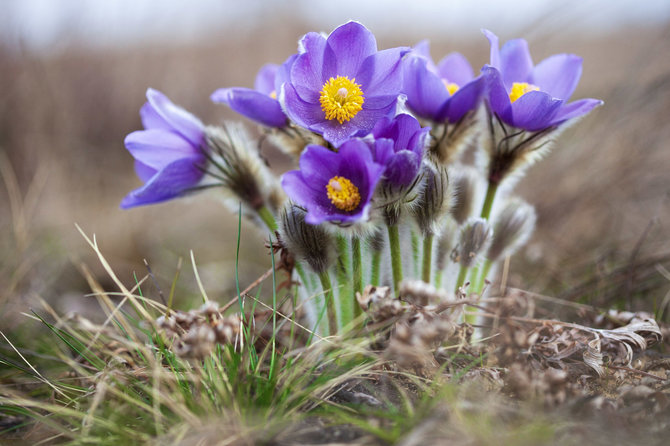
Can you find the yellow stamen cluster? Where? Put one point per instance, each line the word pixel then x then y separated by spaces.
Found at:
pixel 273 95
pixel 343 194
pixel 341 98
pixel 450 86
pixel 521 88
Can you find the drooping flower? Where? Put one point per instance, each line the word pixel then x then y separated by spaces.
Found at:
pixel 169 153
pixel 334 186
pixel 533 97
pixel 259 104
pixel 442 92
pixel 399 145
pixel 340 86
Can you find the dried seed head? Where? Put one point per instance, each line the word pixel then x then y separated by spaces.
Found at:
pixel 512 229
pixel 434 200
pixel 379 303
pixel 311 243
pixel 236 162
pixel 473 241
pixel 466 181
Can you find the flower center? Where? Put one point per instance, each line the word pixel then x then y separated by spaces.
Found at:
pixel 273 95
pixel 521 88
pixel 341 98
pixel 343 194
pixel 450 86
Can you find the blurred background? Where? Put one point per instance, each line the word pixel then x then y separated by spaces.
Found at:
pixel 73 74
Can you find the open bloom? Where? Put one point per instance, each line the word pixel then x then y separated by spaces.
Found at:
pixel 260 104
pixel 340 86
pixel 398 146
pixel 334 186
pixel 533 97
pixel 446 91
pixel 168 154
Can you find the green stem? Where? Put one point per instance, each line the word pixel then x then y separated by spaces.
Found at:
pixel 396 260
pixel 438 278
pixel 462 273
pixel 427 257
pixel 267 217
pixel 358 272
pixel 488 201
pixel 330 303
pixel 482 279
pixel 344 285
pixel 415 253
pixel 376 268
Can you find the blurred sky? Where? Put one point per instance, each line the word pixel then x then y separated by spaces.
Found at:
pixel 49 25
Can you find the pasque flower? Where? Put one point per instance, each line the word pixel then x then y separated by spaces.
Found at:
pixel 169 153
pixel 340 85
pixel 533 97
pixel 398 146
pixel 334 186
pixel 259 104
pixel 442 92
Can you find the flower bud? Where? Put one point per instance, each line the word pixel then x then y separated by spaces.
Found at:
pixel 512 228
pixel 474 240
pixel 309 243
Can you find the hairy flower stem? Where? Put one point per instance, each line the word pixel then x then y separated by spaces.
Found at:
pixel 488 200
pixel 345 294
pixel 396 259
pixel 427 257
pixel 375 273
pixel 482 279
pixel 415 253
pixel 462 273
pixel 267 217
pixel 358 272
pixel 439 274
pixel 330 303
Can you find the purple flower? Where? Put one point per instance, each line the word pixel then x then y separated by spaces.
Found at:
pixel 533 97
pixel 399 145
pixel 446 91
pixel 334 186
pixel 168 154
pixel 260 104
pixel 340 85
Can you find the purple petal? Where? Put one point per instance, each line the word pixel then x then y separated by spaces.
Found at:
pixel 495 51
pixel 178 118
pixel 402 168
pixel 534 110
pixel 352 43
pixel 157 148
pixel 425 91
pixel 497 96
pixel 422 49
pixel 284 72
pixel 318 165
pixel 455 68
pixel 382 150
pixel 143 171
pixel 253 104
pixel 575 110
pixel 381 73
pixel 464 100
pixel 312 68
pixel 516 64
pixel 172 181
pixel 360 125
pixel 558 75
pixel 265 79
pixel 303 113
